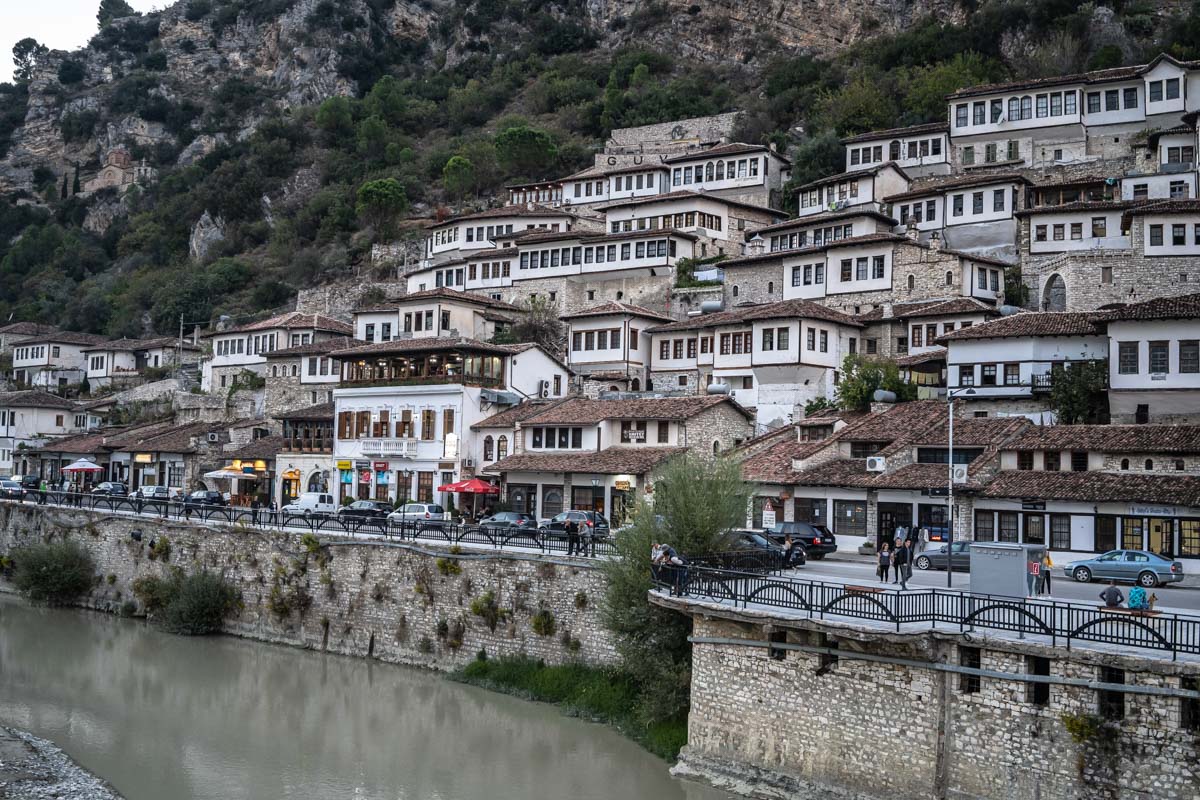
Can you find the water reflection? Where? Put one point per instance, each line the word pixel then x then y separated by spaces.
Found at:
pixel 164 717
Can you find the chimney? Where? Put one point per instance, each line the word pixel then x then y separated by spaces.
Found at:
pixel 911 231
pixel 887 310
pixel 935 242
pixel 757 245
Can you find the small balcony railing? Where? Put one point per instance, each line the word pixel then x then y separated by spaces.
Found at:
pixel 393 448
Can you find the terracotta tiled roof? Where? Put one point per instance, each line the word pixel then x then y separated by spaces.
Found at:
pixel 631 460
pixel 509 417
pixel 33 398
pixel 85 445
pixel 952 184
pixel 996 432
pixel 323 347
pixel 525 238
pixel 842 176
pixel 1168 207
pixel 585 411
pixel 613 307
pixel 936 354
pixel 1096 487
pixel 529 210
pixel 172 439
pixel 264 447
pixel 687 194
pixel 441 293
pixel 1082 206
pixel 1110 438
pixel 67 337
pixel 779 255
pixel 911 130
pixel 131 345
pixel 958 305
pixel 784 309
pixel 899 420
pixel 27 329
pixel 293 320
pixel 774 465
pixel 820 219
pixel 1183 307
pixel 321 411
pixel 1031 323
pixel 1096 76
pixel 732 149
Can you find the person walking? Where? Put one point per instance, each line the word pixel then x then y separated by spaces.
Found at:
pixel 572 529
pixel 1044 572
pixel 42 489
pixel 1112 596
pixel 885 562
pixel 900 563
pixel 922 540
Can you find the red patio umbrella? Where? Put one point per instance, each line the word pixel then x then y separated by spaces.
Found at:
pixel 474 486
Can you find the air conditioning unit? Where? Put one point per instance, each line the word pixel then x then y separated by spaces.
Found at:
pixel 959 473
pixel 543 389
pixel 214 437
pixel 876 464
pixel 468 463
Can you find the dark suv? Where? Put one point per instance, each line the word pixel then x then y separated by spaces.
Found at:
pixel 366 510
pixel 590 523
pixel 509 519
pixel 817 540
pixel 202 498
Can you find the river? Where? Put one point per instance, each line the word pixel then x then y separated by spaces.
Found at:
pixel 164 717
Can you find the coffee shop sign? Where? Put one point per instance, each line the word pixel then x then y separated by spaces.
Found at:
pixel 1153 511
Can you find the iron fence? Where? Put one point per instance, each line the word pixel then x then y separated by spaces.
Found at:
pixel 542 540
pixel 1059 621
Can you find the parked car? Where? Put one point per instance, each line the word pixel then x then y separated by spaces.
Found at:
pixel 744 544
pixel 203 497
pixel 817 540
pixel 957 553
pixel 154 494
pixel 310 504
pixel 1133 566
pixel 365 510
pixel 430 514
pixel 110 489
pixel 11 490
pixel 30 483
pixel 591 523
pixel 509 519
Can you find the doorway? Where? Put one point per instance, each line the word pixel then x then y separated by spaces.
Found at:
pixel 890 517
pixel 1162 536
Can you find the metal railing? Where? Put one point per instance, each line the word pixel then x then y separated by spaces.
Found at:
pixel 542 540
pixel 1057 620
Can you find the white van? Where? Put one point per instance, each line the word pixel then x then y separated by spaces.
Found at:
pixel 310 504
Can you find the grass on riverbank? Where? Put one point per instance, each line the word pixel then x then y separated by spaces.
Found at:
pixel 602 695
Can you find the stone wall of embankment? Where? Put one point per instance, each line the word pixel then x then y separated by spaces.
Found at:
pixel 400 603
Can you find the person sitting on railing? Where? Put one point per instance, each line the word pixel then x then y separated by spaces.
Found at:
pixel 1112 596
pixel 1137 599
pixel 672 567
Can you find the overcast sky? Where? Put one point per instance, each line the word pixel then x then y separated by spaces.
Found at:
pixel 58 24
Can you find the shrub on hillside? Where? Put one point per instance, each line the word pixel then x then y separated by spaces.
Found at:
pixel 189 605
pixel 55 573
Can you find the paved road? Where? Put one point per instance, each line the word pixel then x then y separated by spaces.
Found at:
pixel 846 570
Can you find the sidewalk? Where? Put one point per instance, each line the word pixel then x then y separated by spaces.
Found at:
pixel 1191 580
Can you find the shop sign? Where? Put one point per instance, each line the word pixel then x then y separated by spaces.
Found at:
pixel 634 435
pixel 768 517
pixel 344 465
pixel 381 466
pixel 621 486
pixel 143 458
pixel 1152 511
pixel 364 476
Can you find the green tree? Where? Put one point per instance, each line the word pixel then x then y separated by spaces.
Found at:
pixel 696 502
pixel 55 573
pixel 113 9
pixel 863 104
pixel 1079 392
pixel 335 118
pixel 25 55
pixel 525 151
pixel 458 176
pixel 380 202
pixel 925 88
pixel 539 325
pixel 372 135
pixel 861 376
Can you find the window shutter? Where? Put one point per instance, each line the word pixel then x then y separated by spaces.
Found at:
pixel 385 423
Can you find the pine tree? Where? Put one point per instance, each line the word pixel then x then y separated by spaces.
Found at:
pixel 63 193
pixel 113 9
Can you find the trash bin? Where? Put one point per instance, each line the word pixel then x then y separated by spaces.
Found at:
pixel 1006 569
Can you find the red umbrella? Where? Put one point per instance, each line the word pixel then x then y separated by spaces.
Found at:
pixel 473 486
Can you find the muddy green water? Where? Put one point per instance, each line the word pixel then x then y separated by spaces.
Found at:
pixel 172 718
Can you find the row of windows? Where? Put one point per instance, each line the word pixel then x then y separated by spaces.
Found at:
pixel 379 424
pixel 688 219
pixel 96 363
pixel 929 333
pixel 448 277
pixel 555 438
pixel 675 348
pixel 982 112
pixel 490 269
pixel 1099 230
pixel 385 332
pixel 1179 236
pixel 544 195
pixel 989 374
pixel 24 353
pixel 485 233
pixel 828 195
pixel 260 343
pixel 319 365
pixel 918 148
pixel 856 269
pixel 830 233
pixel 775 338
pixel 608 339
pixel 958 202
pixel 423 321
pixel 919 212
pixel 1183 154
pixel 635 432
pixel 598 254
pixel 812 274
pixel 1159 352
pixel 715 171
pixel 986 276
pixel 1052 462
pixel 495 449
pixel 991 152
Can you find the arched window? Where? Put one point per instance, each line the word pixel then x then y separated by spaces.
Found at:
pixel 949 278
pixel 912 282
pixel 501 448
pixel 613 388
pixel 1179 465
pixel 708 171
pixel 1149 464
pixel 735 290
pixel 316 483
pixel 487 448
pixel 1054 295
pixel 1026 107
pixel 636 385
pixel 894 150
pixel 620 295
pixel 720 170
pixel 1014 108
pixel 1124 463
pixel 770 287
pixel 716 447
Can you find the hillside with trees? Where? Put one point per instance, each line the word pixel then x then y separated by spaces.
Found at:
pixel 285 137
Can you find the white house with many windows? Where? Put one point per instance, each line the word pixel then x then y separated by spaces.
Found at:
pixel 754 174
pixel 608 343
pixel 245 347
pixel 52 361
pixel 28 419
pixel 718 223
pixel 404 410
pixel 127 359
pixel 861 188
pixel 434 313
pixel 972 213
pixel 919 150
pixel 455 237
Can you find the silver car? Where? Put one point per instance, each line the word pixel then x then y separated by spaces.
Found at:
pixel 1130 566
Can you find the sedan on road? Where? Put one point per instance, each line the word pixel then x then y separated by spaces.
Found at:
pixel 1130 566
pixel 365 510
pixel 509 519
pixel 111 489
pixel 11 490
pixel 957 553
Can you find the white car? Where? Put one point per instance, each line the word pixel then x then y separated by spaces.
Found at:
pixel 420 512
pixel 311 504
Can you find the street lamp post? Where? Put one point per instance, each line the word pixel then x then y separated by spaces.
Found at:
pixel 951 517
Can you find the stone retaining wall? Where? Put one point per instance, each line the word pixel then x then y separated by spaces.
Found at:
pixel 400 603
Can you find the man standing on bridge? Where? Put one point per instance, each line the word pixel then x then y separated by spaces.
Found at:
pixel 900 562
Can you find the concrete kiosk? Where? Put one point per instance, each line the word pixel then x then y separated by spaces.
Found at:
pixel 1006 569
